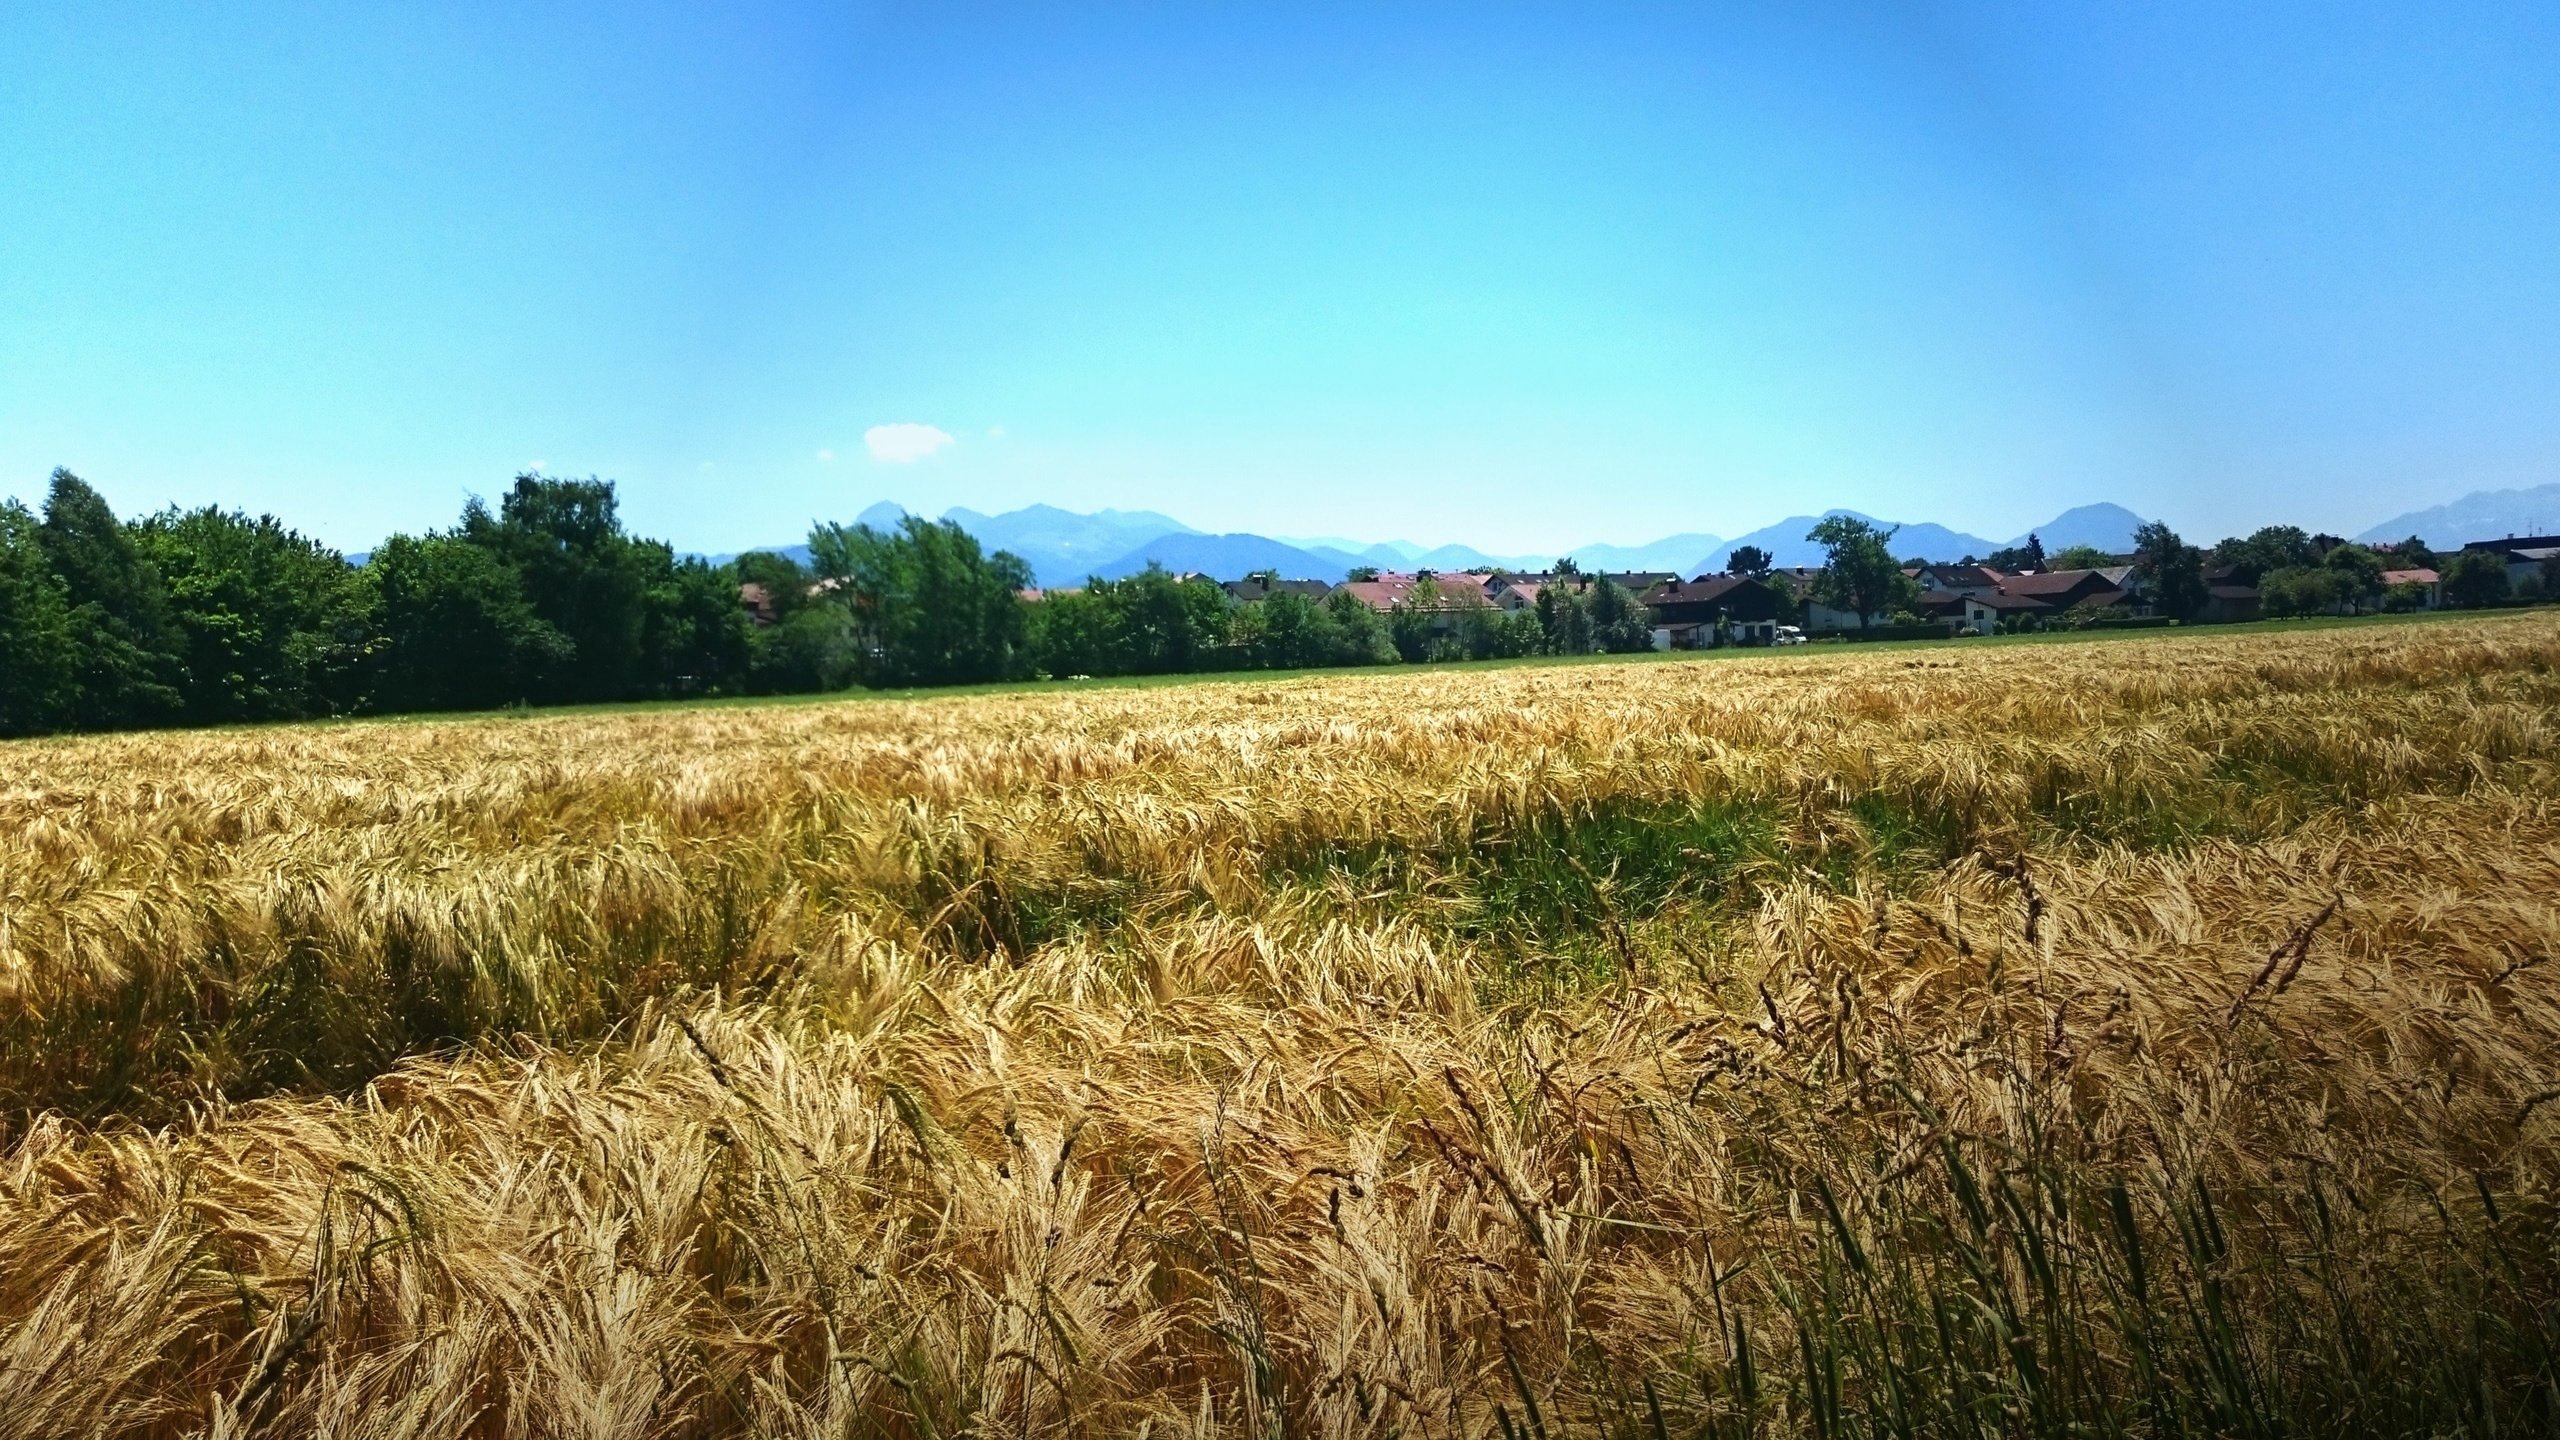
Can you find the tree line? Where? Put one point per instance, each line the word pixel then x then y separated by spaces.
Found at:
pixel 211 616
pixel 208 616
pixel 2295 572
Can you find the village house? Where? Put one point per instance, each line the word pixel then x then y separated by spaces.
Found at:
pixel 2429 585
pixel 1451 595
pixel 757 601
pixel 1255 588
pixel 1956 580
pixel 2058 590
pixel 1972 606
pixel 2230 595
pixel 1713 610
pixel 2524 554
pixel 1390 589
pixel 1515 592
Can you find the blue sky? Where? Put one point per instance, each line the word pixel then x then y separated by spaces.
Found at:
pixel 1517 277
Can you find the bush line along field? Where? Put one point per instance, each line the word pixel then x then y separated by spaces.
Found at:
pixel 2144 1037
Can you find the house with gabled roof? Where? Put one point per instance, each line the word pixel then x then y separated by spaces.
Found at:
pixel 2524 554
pixel 1713 610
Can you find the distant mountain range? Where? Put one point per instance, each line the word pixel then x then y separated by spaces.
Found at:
pixel 1788 545
pixel 1064 547
pixel 2102 526
pixel 2107 527
pixel 2480 515
pixel 1228 557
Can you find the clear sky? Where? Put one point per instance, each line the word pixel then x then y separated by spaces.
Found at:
pixel 1512 277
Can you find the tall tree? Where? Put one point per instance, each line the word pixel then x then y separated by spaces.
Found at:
pixel 130 650
pixel 39 659
pixel 693 631
pixel 811 645
pixel 1071 633
pixel 1359 636
pixel 1413 625
pixel 1618 623
pixel 582 573
pixel 2474 578
pixel 1162 625
pixel 2413 554
pixel 274 622
pixel 2268 549
pixel 2082 557
pixel 1858 573
pixel 1288 632
pixel 456 629
pixel 2171 568
pixel 2359 572
pixel 932 607
pixel 1750 561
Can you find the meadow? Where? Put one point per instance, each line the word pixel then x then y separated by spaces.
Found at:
pixel 2150 1036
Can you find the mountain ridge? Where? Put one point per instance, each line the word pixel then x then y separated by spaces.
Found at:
pixel 2479 515
pixel 1065 547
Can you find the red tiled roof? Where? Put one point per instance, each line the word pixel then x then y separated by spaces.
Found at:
pixel 1457 591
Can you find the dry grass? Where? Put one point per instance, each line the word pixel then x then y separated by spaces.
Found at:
pixel 2142 1037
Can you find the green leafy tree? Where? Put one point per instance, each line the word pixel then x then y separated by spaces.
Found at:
pixel 1564 621
pixel 815 648
pixel 2475 578
pixel 456 630
pixel 2171 569
pixel 2359 572
pixel 785 581
pixel 275 623
pixel 1859 574
pixel 2264 551
pixel 1072 632
pixel 1165 625
pixel 1412 626
pixel 1618 624
pixel 2018 559
pixel 131 653
pixel 1359 635
pixel 2304 590
pixel 2404 597
pixel 583 574
pixel 933 608
pixel 39 657
pixel 1289 632
pixel 811 646
pixel 1751 561
pixel 693 631
pixel 2081 557
pixel 2413 554
pixel 1479 633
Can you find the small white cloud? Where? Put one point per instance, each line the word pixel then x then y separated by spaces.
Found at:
pixel 995 432
pixel 534 467
pixel 827 456
pixel 904 444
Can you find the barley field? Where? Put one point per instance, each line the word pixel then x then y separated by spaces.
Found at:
pixel 2133 1037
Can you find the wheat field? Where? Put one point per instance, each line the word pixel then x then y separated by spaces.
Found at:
pixel 2131 1037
